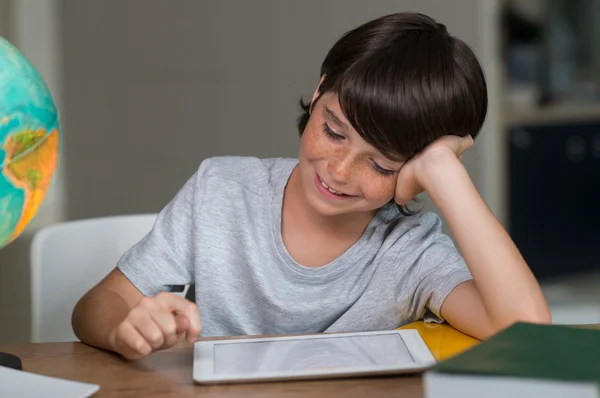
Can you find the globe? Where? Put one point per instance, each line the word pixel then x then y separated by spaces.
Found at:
pixel 29 142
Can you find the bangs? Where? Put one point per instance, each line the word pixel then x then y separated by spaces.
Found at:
pixel 401 99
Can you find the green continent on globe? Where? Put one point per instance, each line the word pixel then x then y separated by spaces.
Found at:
pixel 25 141
pixel 32 157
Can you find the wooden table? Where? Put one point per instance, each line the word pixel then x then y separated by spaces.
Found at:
pixel 168 373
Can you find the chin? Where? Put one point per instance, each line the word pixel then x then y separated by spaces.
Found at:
pixel 325 209
pixel 331 210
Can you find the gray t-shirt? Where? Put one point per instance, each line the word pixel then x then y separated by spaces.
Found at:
pixel 222 234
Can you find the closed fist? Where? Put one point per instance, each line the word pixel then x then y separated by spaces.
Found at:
pixel 156 323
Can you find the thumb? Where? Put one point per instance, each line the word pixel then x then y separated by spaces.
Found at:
pixel 182 307
pixel 183 328
pixel 182 324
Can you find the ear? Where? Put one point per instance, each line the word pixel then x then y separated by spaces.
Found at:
pixel 316 93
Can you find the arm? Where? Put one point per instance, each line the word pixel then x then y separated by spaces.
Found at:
pixel 503 289
pixel 102 308
pixel 116 316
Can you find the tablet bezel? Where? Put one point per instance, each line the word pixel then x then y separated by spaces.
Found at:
pixel 203 367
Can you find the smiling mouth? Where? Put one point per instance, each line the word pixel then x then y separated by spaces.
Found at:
pixel 331 190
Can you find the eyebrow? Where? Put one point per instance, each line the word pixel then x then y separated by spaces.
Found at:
pixel 335 119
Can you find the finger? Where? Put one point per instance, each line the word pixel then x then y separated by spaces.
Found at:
pixel 406 188
pixel 183 324
pixel 401 200
pixel 183 328
pixel 130 343
pixel 185 307
pixel 167 324
pixel 191 335
pixel 147 327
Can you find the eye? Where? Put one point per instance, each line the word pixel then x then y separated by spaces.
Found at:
pixel 331 133
pixel 383 171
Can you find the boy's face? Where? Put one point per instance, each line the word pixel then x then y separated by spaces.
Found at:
pixel 332 154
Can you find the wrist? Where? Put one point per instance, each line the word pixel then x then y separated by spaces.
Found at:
pixel 435 168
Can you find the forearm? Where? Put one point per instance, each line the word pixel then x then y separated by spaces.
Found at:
pixel 96 314
pixel 507 286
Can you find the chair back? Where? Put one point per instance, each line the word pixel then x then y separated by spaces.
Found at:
pixel 70 258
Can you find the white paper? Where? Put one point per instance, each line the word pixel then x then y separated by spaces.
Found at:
pixel 21 384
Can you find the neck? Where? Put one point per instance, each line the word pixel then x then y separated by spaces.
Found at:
pixel 348 223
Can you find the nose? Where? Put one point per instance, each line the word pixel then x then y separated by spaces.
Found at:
pixel 340 168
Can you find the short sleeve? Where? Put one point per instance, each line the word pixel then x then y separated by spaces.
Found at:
pixel 438 269
pixel 165 256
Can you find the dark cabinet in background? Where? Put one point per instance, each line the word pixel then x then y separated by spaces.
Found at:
pixel 554 184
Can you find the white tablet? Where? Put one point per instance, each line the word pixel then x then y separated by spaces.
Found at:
pixel 329 355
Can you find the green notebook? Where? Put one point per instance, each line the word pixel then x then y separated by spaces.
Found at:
pixel 524 360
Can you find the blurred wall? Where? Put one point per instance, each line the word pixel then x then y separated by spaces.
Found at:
pixel 4 18
pixel 151 88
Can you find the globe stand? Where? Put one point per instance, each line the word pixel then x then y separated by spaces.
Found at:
pixel 10 361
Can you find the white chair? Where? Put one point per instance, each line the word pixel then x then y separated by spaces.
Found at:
pixel 68 259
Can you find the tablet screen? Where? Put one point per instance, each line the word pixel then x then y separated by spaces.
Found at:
pixel 308 354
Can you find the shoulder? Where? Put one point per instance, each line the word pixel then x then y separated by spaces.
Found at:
pixel 426 225
pixel 417 249
pixel 418 226
pixel 251 172
pixel 419 235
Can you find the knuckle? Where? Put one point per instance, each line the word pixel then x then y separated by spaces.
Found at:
pixel 145 302
pixel 170 328
pixel 136 314
pixel 137 344
pixel 156 338
pixel 191 307
pixel 151 337
pixel 122 329
pixel 142 347
pixel 163 295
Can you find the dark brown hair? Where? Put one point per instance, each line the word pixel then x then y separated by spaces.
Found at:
pixel 403 81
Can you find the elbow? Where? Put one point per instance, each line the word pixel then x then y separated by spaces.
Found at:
pixel 541 315
pixel 76 320
pixel 533 310
pixel 539 312
pixel 80 316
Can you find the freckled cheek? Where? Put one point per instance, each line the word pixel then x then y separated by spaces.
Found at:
pixel 318 147
pixel 341 154
pixel 311 142
pixel 380 189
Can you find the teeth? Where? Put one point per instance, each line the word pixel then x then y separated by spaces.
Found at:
pixel 329 189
